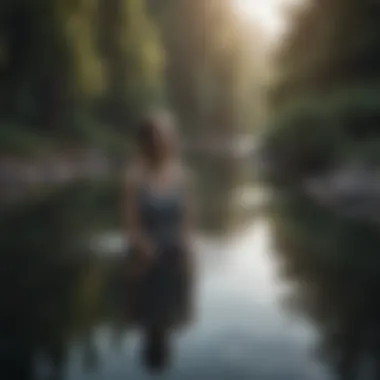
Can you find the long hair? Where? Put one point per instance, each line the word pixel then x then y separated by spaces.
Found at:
pixel 153 123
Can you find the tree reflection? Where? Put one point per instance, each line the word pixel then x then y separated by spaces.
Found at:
pixel 219 177
pixel 334 263
pixel 53 290
pixel 50 288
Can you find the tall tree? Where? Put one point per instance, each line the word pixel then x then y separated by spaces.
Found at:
pixel 207 57
pixel 326 99
pixel 331 44
pixel 45 45
pixel 132 56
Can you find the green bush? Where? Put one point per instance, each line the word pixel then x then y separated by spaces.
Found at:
pixel 84 132
pixel 18 140
pixel 357 111
pixel 311 136
pixel 87 131
pixel 303 140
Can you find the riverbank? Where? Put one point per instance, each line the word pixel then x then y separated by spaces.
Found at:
pixel 21 176
pixel 352 190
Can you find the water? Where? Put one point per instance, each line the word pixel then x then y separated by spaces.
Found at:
pixel 241 330
pixel 291 294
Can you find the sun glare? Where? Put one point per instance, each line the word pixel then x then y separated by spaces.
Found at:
pixel 265 12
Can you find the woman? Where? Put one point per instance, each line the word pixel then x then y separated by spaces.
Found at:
pixel 159 215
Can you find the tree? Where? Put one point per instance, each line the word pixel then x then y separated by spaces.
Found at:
pixel 332 44
pixel 133 59
pixel 210 68
pixel 330 60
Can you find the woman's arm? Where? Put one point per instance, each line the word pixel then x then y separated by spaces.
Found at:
pixel 137 236
pixel 190 209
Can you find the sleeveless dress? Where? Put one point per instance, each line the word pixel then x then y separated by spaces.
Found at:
pixel 160 294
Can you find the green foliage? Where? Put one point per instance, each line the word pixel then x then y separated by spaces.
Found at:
pixel 311 136
pixel 21 141
pixel 329 62
pixel 331 45
pixel 48 269
pixel 334 265
pixel 111 59
pixel 357 111
pixel 133 60
pixel 54 67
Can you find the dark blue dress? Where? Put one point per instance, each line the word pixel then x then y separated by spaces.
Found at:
pixel 161 294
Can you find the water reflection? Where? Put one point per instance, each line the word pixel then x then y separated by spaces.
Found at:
pixel 55 292
pixel 239 331
pixel 64 310
pixel 43 271
pixel 334 263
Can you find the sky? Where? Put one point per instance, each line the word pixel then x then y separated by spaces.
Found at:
pixel 268 13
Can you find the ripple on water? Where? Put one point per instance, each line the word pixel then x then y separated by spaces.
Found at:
pixel 241 331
